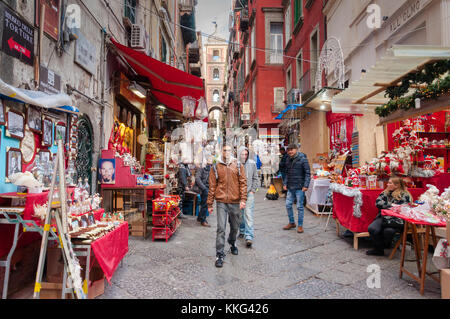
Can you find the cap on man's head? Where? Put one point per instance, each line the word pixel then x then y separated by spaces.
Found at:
pixel 292 146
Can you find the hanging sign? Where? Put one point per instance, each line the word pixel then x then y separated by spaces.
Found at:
pixel 85 53
pixel 50 82
pixel 18 38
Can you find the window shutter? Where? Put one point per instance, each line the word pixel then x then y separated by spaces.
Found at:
pixel 278 99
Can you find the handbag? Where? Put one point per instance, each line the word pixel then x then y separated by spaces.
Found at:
pixel 392 222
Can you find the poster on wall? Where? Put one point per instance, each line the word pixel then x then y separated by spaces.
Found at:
pixel 16 125
pixel 51 24
pixel 60 133
pixel 107 171
pixel 18 37
pixel 34 119
pixel 13 162
pixel 47 132
pixel 2 113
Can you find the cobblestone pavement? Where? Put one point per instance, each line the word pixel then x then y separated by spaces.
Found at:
pixel 281 264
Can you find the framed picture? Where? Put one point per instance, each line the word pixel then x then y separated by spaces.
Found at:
pixel 13 162
pixel 107 171
pixel 2 113
pixel 16 124
pixel 84 221
pixel 47 132
pixel 74 224
pixel 34 119
pixel 91 219
pixel 60 132
pixel 45 156
pixel 28 146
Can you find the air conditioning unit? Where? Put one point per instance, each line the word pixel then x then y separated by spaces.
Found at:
pixel 137 37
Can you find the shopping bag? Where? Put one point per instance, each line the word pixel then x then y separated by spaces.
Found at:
pixel 441 257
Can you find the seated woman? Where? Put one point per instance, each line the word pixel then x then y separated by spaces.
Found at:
pixel 383 228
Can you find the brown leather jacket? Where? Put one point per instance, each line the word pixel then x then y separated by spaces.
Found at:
pixel 230 187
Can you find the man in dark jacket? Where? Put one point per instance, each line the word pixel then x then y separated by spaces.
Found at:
pixel 202 186
pixel 282 165
pixel 183 184
pixel 297 182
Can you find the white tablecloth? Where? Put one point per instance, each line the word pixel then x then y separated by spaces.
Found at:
pixel 317 193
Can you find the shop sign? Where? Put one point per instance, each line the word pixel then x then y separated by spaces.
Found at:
pixel 407 12
pixel 246 107
pixel 246 117
pixel 50 82
pixel 18 38
pixel 85 53
pixel 51 24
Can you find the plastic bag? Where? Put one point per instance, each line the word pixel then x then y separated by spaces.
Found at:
pixel 202 109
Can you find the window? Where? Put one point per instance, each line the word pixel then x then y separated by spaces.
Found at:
pixel 276 42
pixel 254 96
pixel 278 97
pixel 216 55
pixel 247 61
pixel 130 10
pixel 287 26
pixel 299 69
pixel 216 96
pixel 216 75
pixel 253 42
pixel 163 49
pixel 288 80
pixel 298 10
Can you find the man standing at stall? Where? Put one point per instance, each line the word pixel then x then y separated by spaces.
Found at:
pixel 297 183
pixel 184 174
pixel 228 186
pixel 246 229
pixel 202 186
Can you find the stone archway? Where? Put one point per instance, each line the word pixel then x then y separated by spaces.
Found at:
pixel 83 162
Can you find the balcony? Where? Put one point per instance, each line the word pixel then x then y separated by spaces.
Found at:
pixel 244 20
pixel 194 52
pixel 187 5
pixel 307 83
pixel 293 96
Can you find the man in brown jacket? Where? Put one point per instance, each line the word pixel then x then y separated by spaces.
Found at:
pixel 228 186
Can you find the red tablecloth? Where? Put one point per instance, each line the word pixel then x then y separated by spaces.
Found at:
pixel 7 231
pixel 110 249
pixel 343 209
pixel 390 212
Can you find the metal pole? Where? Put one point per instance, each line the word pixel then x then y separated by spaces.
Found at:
pixel 8 262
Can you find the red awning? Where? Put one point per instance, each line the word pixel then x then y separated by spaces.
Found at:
pixel 169 84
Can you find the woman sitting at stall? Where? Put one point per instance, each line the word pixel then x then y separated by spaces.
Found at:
pixel 383 228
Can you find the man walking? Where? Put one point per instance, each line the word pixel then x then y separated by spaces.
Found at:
pixel 184 174
pixel 228 186
pixel 282 166
pixel 297 183
pixel 251 173
pixel 202 186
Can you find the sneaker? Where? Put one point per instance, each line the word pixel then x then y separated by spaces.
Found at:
pixel 249 243
pixel 375 252
pixel 233 248
pixel 219 261
pixel 241 236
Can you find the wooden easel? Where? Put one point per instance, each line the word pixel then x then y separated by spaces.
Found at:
pixel 58 210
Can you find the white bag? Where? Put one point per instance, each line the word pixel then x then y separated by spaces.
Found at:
pixel 441 255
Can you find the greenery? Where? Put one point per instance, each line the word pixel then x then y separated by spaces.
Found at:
pixel 428 75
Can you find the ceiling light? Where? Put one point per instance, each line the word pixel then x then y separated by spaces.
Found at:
pixel 137 89
pixel 323 107
pixel 161 107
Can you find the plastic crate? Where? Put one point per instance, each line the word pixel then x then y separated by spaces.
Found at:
pixel 161 233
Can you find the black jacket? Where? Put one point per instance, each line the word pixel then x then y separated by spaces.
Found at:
pixel 183 174
pixel 297 172
pixel 283 162
pixel 202 179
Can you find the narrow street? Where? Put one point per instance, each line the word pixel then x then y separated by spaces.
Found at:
pixel 281 264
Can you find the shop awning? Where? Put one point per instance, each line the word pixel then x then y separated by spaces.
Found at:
pixel 169 84
pixel 61 102
pixel 368 92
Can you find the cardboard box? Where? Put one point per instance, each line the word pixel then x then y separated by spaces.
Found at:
pixel 441 232
pixel 96 283
pixel 54 262
pixel 445 283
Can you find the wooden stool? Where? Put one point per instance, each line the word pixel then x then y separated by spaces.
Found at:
pixel 422 269
pixel 420 230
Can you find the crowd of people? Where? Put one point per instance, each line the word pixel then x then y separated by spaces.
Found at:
pixel 234 178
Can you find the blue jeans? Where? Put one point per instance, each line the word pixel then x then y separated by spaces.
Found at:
pixel 293 195
pixel 247 218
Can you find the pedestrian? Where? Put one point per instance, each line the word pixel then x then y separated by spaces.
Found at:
pixel 297 182
pixel 184 174
pixel 202 187
pixel 383 228
pixel 228 186
pixel 246 228
pixel 282 166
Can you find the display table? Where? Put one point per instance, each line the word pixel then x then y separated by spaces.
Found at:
pixel 343 211
pixel 411 226
pixel 110 249
pixel 317 194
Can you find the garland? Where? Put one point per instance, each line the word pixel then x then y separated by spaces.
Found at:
pixel 427 75
pixel 432 91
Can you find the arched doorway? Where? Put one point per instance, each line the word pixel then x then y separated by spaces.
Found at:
pixel 83 162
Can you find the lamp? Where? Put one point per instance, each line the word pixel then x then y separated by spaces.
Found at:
pixel 323 107
pixel 161 107
pixel 137 89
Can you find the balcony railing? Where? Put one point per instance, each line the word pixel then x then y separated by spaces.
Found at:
pixel 293 96
pixel 307 82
